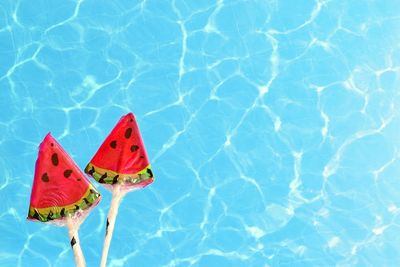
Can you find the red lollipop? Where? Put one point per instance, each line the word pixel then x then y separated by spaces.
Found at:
pixel 61 193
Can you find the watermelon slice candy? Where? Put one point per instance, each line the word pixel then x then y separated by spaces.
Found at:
pixel 61 193
pixel 122 158
pixel 60 189
pixel 120 164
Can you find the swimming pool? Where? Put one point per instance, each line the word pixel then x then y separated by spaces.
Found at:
pixel 272 128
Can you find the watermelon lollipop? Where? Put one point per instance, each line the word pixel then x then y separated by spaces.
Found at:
pixel 122 158
pixel 61 193
pixel 121 164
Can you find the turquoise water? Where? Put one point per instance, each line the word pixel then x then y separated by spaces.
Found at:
pixel 272 127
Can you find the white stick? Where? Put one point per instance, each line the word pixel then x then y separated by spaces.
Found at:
pixel 112 215
pixel 76 247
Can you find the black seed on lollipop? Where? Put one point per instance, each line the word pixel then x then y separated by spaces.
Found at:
pixel 62 213
pixel 67 173
pixel 150 172
pixel 87 202
pixel 91 171
pixel 45 177
pixel 93 192
pixel 36 215
pixel 54 159
pixel 50 216
pixel 128 133
pixel 77 207
pixel 115 179
pixel 113 144
pixel 134 148
pixel 104 176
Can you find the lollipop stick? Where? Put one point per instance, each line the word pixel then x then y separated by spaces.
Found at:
pixel 76 247
pixel 112 215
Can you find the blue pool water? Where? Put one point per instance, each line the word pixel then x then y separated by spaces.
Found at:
pixel 272 127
